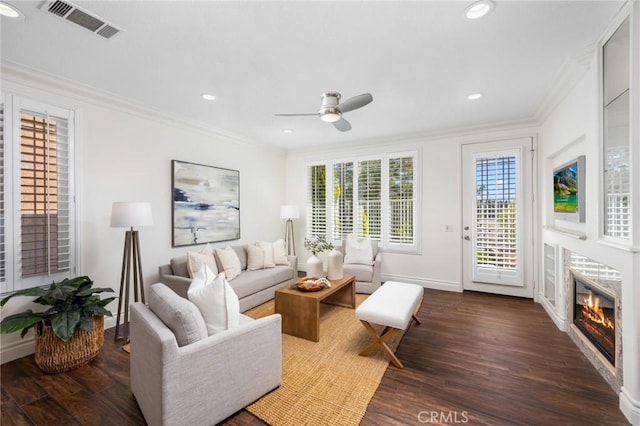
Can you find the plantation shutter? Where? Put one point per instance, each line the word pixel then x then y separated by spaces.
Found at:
pixel 342 216
pixel 369 213
pixel 316 200
pixel 45 247
pixel 402 184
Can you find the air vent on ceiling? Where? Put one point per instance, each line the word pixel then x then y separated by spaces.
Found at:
pixel 75 14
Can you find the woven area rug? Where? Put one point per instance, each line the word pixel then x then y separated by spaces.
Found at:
pixel 324 383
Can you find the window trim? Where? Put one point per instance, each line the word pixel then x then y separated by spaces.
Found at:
pixel 385 156
pixel 14 105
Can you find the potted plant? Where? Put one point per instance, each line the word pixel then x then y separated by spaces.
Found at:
pixel 316 245
pixel 70 333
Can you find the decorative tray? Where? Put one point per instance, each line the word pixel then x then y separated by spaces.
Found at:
pixel 312 284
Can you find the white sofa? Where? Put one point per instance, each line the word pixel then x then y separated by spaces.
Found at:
pixel 207 380
pixel 252 287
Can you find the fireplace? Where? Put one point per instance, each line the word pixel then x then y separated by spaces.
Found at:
pixel 594 315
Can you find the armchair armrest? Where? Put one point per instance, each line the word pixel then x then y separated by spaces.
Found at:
pixel 293 260
pixel 376 279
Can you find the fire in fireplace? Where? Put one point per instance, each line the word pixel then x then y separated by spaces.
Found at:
pixel 594 315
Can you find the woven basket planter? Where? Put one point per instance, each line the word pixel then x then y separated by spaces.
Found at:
pixel 55 356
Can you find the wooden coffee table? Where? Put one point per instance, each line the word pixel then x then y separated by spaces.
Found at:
pixel 301 310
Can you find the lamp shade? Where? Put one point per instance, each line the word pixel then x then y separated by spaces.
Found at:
pixel 126 214
pixel 289 212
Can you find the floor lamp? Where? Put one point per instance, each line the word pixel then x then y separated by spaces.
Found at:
pixel 130 215
pixel 289 213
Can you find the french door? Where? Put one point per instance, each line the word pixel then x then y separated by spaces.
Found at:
pixel 497 213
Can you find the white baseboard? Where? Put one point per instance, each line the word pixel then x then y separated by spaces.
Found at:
pixel 630 407
pixel 560 322
pixel 425 282
pixel 17 349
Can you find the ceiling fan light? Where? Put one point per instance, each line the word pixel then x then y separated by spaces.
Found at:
pixel 330 115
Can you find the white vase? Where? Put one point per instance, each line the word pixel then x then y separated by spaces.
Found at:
pixel 334 265
pixel 314 267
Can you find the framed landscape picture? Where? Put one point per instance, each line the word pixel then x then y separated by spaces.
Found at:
pixel 205 204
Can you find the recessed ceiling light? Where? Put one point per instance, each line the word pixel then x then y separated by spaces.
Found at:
pixel 287 131
pixel 474 96
pixel 479 9
pixel 208 97
pixel 10 11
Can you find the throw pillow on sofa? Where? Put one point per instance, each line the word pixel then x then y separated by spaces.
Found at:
pixel 268 254
pixel 255 257
pixel 280 253
pixel 229 261
pixel 360 252
pixel 215 299
pixel 180 315
pixel 196 260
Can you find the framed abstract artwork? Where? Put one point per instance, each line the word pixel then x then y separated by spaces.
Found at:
pixel 205 204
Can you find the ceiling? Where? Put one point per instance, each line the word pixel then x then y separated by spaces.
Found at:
pixel 419 60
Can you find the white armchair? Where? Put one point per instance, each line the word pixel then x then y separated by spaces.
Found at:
pixel 208 380
pixel 368 277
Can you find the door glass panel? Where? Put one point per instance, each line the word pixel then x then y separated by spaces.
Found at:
pixel 496 246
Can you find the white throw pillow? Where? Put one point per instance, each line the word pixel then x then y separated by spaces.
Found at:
pixel 360 252
pixel 196 260
pixel 268 254
pixel 280 253
pixel 230 262
pixel 215 299
pixel 255 257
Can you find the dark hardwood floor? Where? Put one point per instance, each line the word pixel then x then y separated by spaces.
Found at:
pixel 477 359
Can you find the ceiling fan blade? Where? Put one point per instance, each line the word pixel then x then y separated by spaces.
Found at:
pixel 355 102
pixel 296 115
pixel 342 125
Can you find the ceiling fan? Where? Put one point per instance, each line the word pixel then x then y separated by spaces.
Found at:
pixel 331 110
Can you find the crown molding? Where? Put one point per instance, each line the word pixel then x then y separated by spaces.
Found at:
pixel 66 88
pixel 570 74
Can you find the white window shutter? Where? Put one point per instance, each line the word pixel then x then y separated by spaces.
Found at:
pixel 369 214
pixel 342 211
pixel 316 200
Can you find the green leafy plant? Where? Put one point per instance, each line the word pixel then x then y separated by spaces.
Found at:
pixel 317 244
pixel 73 304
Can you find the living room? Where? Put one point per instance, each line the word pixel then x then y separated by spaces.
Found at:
pixel 125 148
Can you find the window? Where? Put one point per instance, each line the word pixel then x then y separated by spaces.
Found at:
pixel 342 200
pixel 616 137
pixel 369 218
pixel 37 177
pixel 316 200
pixel 373 196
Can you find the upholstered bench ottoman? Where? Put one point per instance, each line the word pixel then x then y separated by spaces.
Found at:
pixel 393 305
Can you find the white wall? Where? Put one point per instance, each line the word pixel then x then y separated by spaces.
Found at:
pixel 126 155
pixel 438 265
pixel 573 129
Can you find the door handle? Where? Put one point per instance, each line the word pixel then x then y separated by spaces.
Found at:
pixel 466 237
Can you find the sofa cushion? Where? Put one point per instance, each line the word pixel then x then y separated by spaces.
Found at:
pixel 280 253
pixel 358 251
pixel 181 316
pixel 179 266
pixel 229 262
pixel 242 256
pixel 215 298
pixel 250 282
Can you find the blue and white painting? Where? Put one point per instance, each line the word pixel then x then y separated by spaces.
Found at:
pixel 206 204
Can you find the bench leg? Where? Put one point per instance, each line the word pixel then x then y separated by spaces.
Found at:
pixel 380 341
